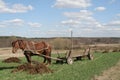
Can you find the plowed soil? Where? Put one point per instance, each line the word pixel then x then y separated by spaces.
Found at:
pixel 36 68
pixel 11 60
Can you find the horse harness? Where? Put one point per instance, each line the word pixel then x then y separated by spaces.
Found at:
pixel 34 51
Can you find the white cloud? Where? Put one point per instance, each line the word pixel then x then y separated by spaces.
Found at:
pixel 15 22
pixel 35 24
pixel 57 33
pixel 72 3
pixel 12 26
pixel 2 25
pixel 18 22
pixel 20 8
pixel 70 22
pixel 15 8
pixel 113 27
pixel 116 29
pixel 81 14
pixel 115 23
pixel 118 15
pixel 82 19
pixel 88 29
pixel 100 9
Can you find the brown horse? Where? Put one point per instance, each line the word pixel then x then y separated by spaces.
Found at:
pixel 31 48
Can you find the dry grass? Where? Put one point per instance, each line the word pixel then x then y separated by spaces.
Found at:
pixel 7 52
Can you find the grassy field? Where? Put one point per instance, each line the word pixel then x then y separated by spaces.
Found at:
pixel 79 70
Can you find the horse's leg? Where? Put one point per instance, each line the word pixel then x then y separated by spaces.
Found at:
pixel 44 59
pixel 48 58
pixel 28 56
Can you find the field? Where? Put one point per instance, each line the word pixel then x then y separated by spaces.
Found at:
pixel 79 70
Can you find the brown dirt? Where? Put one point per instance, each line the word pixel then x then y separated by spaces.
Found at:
pixel 11 60
pixel 36 68
pixel 111 74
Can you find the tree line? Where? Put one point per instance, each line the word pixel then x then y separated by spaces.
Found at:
pixel 61 42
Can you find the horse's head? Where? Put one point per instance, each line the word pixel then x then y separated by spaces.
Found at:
pixel 18 44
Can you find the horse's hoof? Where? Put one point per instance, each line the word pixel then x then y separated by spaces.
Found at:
pixel 47 64
pixel 31 64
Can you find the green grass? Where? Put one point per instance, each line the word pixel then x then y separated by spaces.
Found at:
pixel 79 70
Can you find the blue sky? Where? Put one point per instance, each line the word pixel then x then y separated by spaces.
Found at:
pixel 56 18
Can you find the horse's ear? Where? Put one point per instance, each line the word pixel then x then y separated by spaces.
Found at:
pixel 43 42
pixel 19 40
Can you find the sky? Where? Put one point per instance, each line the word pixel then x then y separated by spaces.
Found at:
pixel 57 18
